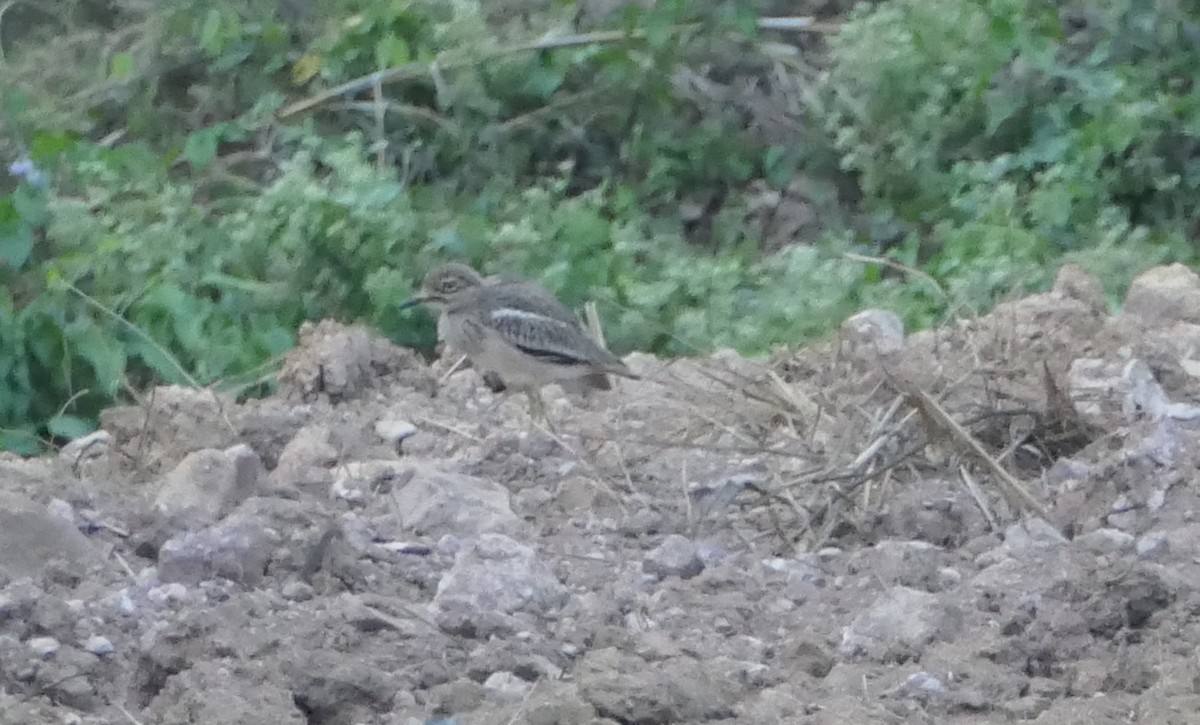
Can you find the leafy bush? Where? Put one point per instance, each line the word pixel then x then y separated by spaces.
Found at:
pixel 1008 133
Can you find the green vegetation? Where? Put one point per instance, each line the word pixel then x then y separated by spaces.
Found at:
pixel 191 181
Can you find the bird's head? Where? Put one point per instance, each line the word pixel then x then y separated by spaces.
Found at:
pixel 445 284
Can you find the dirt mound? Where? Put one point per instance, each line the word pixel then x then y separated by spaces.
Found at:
pixel 989 522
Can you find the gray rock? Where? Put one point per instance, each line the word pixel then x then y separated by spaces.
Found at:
pixel 1067 474
pixel 167 593
pixel 710 552
pixel 921 685
pixel 394 430
pixel 677 689
pixel 1032 533
pixel 43 647
pixel 1105 541
pixel 31 537
pixel 306 462
pixel 1124 513
pixel 435 502
pixel 675 556
pixel 1105 391
pixel 237 549
pixel 208 484
pixel 805 578
pixel 297 591
pixel 1154 545
pixel 507 686
pixel 711 499
pixel 1162 295
pixel 1074 282
pixel 576 495
pixel 492 579
pixel 900 562
pixel 948 577
pixel 449 544
pixel 99 646
pixel 62 510
pixel 899 626
pixel 1184 541
pixel 248 694
pixel 642 521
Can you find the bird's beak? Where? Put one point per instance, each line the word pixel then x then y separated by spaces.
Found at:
pixel 413 302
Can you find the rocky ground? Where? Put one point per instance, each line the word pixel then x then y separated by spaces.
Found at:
pixel 991 522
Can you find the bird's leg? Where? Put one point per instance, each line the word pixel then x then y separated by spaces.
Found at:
pixel 537 408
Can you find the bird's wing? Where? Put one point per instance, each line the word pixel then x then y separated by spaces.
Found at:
pixel 545 338
pixel 533 298
pixel 533 320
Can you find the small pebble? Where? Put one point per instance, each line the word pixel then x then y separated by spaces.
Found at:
pixel 99 646
pixel 297 591
pixel 1153 546
pixel 923 683
pixel 949 577
pixel 44 647
pixel 394 431
pixel 449 544
pixel 61 509
pixel 1032 533
pixel 675 556
pixel 125 603
pixel 507 686
pixel 1105 541
pixel 777 564
pixel 710 553
pixel 339 491
pixel 173 592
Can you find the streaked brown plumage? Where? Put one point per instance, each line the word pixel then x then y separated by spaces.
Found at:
pixel 517 330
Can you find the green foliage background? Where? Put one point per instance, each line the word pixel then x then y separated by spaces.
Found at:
pixel 185 215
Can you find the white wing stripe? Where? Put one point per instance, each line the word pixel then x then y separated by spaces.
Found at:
pixel 512 313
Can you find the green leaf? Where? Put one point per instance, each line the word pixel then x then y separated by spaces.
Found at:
pixel 15 102
pixel 1001 30
pixel 69 426
pixel 30 203
pixel 201 147
pixel 16 243
pixel 542 80
pixel 659 29
pixel 120 67
pixel 776 166
pixel 156 360
pixel 210 33
pixel 48 145
pixel 104 355
pixel 740 17
pixel 234 57
pixel 277 340
pixel 447 241
pixel 391 51
pixel 21 441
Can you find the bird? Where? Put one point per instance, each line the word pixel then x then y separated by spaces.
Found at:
pixel 516 330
